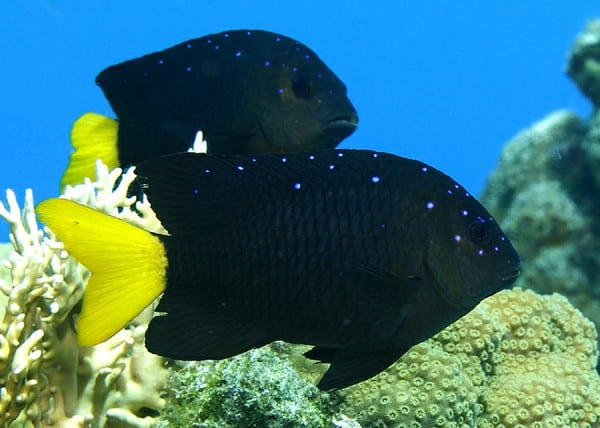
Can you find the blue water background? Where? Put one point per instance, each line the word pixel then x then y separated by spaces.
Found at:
pixel 447 82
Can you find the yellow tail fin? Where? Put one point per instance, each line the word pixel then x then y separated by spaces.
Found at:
pixel 128 265
pixel 93 136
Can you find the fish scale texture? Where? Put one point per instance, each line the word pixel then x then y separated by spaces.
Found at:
pixel 299 233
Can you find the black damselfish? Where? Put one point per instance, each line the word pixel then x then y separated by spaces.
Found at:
pixel 248 91
pixel 362 254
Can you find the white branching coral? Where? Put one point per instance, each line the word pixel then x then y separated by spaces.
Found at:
pixel 109 194
pixel 46 284
pixel 45 377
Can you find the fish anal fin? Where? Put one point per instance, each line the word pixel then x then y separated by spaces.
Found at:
pixel 93 137
pixel 322 354
pixel 350 366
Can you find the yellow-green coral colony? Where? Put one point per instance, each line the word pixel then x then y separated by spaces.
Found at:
pixel 362 254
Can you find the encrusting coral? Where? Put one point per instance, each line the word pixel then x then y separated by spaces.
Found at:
pixel 517 360
pixel 45 377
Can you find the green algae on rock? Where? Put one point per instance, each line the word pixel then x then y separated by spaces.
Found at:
pixel 257 388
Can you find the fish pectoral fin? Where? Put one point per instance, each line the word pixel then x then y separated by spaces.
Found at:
pixel 93 137
pixel 386 295
pixel 225 141
pixel 378 277
pixel 182 131
pixel 228 141
pixel 193 330
pixel 350 366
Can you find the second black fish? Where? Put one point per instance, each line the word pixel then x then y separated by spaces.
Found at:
pixel 248 91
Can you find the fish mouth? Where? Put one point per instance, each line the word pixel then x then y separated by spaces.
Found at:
pixel 338 127
pixel 510 277
pixel 345 121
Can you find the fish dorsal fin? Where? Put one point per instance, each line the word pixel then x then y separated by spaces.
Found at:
pixel 93 137
pixel 190 191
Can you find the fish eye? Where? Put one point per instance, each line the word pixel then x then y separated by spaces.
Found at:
pixel 478 231
pixel 302 87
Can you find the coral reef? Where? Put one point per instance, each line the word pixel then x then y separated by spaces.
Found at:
pixel 517 360
pixel 545 192
pixel 584 62
pixel 45 377
pixel 5 250
pixel 258 388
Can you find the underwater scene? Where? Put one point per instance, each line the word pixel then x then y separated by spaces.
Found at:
pixel 310 215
